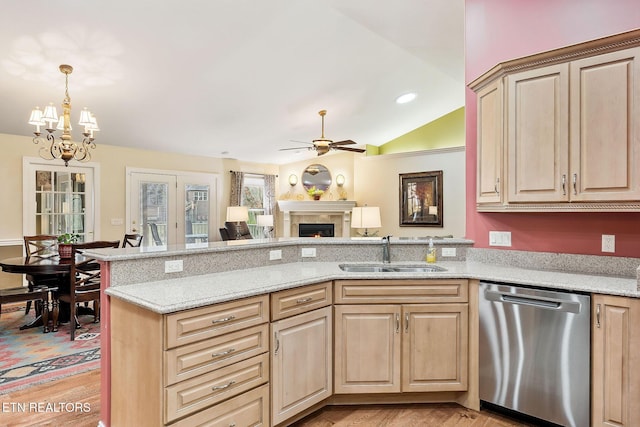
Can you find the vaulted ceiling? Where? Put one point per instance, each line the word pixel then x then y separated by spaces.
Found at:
pixel 234 78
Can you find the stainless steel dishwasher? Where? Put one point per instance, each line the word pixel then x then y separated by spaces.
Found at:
pixel 534 352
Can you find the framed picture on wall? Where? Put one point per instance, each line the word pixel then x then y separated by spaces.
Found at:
pixel 421 199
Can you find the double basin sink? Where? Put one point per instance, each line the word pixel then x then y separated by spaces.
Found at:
pixel 390 268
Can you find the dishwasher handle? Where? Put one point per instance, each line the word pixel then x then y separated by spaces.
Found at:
pixel 533 301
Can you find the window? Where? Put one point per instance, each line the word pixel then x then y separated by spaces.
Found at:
pixel 253 197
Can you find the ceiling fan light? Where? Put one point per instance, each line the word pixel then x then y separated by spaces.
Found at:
pixel 407 97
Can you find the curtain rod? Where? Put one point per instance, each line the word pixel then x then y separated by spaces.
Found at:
pixel 253 173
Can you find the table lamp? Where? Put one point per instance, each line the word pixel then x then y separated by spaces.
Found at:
pixel 366 217
pixel 265 221
pixel 237 214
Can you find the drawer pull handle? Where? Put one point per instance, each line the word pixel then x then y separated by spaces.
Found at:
pixel 222 387
pixel 598 316
pixel 303 300
pixel 223 353
pixel 224 319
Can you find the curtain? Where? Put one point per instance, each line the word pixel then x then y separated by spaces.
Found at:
pixel 269 202
pixel 237 182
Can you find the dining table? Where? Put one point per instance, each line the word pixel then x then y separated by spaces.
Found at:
pixel 50 273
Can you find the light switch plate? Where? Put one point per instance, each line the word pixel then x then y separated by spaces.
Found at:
pixel 499 238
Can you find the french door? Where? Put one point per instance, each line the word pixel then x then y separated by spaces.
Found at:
pixel 169 207
pixel 59 199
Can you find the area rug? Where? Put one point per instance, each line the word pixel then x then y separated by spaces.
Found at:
pixel 31 357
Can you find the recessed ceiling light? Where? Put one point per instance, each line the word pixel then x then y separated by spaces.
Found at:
pixel 407 97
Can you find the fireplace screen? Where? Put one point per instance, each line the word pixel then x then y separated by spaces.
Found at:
pixel 315 230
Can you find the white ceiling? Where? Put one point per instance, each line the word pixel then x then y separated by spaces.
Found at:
pixel 234 78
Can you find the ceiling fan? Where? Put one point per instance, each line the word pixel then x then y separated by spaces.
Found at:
pixel 322 145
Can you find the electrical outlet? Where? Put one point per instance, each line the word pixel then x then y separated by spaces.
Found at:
pixel 499 238
pixel 448 252
pixel 173 266
pixel 308 252
pixel 274 255
pixel 608 243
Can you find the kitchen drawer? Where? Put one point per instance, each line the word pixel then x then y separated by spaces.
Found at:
pixel 400 291
pixel 195 359
pixel 300 300
pixel 248 409
pixel 189 326
pixel 203 391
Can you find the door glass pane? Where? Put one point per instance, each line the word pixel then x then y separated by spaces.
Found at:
pixel 252 197
pixel 153 211
pixel 196 213
pixel 60 203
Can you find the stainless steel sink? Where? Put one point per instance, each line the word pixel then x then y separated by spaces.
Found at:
pixel 390 268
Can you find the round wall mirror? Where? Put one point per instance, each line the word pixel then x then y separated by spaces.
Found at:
pixel 316 175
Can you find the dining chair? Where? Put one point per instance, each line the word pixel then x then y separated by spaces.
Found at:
pixel 43 246
pixel 132 240
pixel 84 282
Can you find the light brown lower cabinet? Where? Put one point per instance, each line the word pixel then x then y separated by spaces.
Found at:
pixel 386 348
pixel 615 361
pixel 301 351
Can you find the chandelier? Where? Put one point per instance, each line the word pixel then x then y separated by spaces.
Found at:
pixel 63 147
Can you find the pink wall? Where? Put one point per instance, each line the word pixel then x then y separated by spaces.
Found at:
pixel 499 30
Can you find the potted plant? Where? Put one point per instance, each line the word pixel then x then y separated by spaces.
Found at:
pixel 315 192
pixel 64 244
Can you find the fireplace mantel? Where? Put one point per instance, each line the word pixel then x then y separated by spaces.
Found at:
pixel 317 207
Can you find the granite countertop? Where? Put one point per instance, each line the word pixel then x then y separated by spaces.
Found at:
pixel 171 295
pixel 122 254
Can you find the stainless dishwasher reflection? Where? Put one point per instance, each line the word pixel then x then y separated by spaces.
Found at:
pixel 535 352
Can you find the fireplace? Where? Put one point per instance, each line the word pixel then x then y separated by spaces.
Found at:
pixel 296 212
pixel 315 230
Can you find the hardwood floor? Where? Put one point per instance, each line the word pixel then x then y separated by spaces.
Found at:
pixel 83 390
pixel 73 401
pixel 427 415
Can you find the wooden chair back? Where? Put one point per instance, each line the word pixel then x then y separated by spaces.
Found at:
pixel 132 240
pixel 84 280
pixel 41 245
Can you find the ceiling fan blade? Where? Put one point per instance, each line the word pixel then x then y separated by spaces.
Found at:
pixel 355 150
pixel 296 148
pixel 345 142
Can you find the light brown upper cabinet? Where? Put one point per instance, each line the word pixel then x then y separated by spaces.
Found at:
pixel 559 131
pixel 490 155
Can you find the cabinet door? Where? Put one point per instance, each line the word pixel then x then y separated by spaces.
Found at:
pixel 367 348
pixel 435 347
pixel 605 139
pixel 538 135
pixel 615 361
pixel 490 153
pixel 301 363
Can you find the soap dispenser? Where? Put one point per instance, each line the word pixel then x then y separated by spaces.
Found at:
pixel 431 252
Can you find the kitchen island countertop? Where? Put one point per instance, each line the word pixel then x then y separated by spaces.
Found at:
pixel 171 295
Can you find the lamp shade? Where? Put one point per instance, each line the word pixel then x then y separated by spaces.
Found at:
pixel 366 217
pixel 237 213
pixel 265 220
